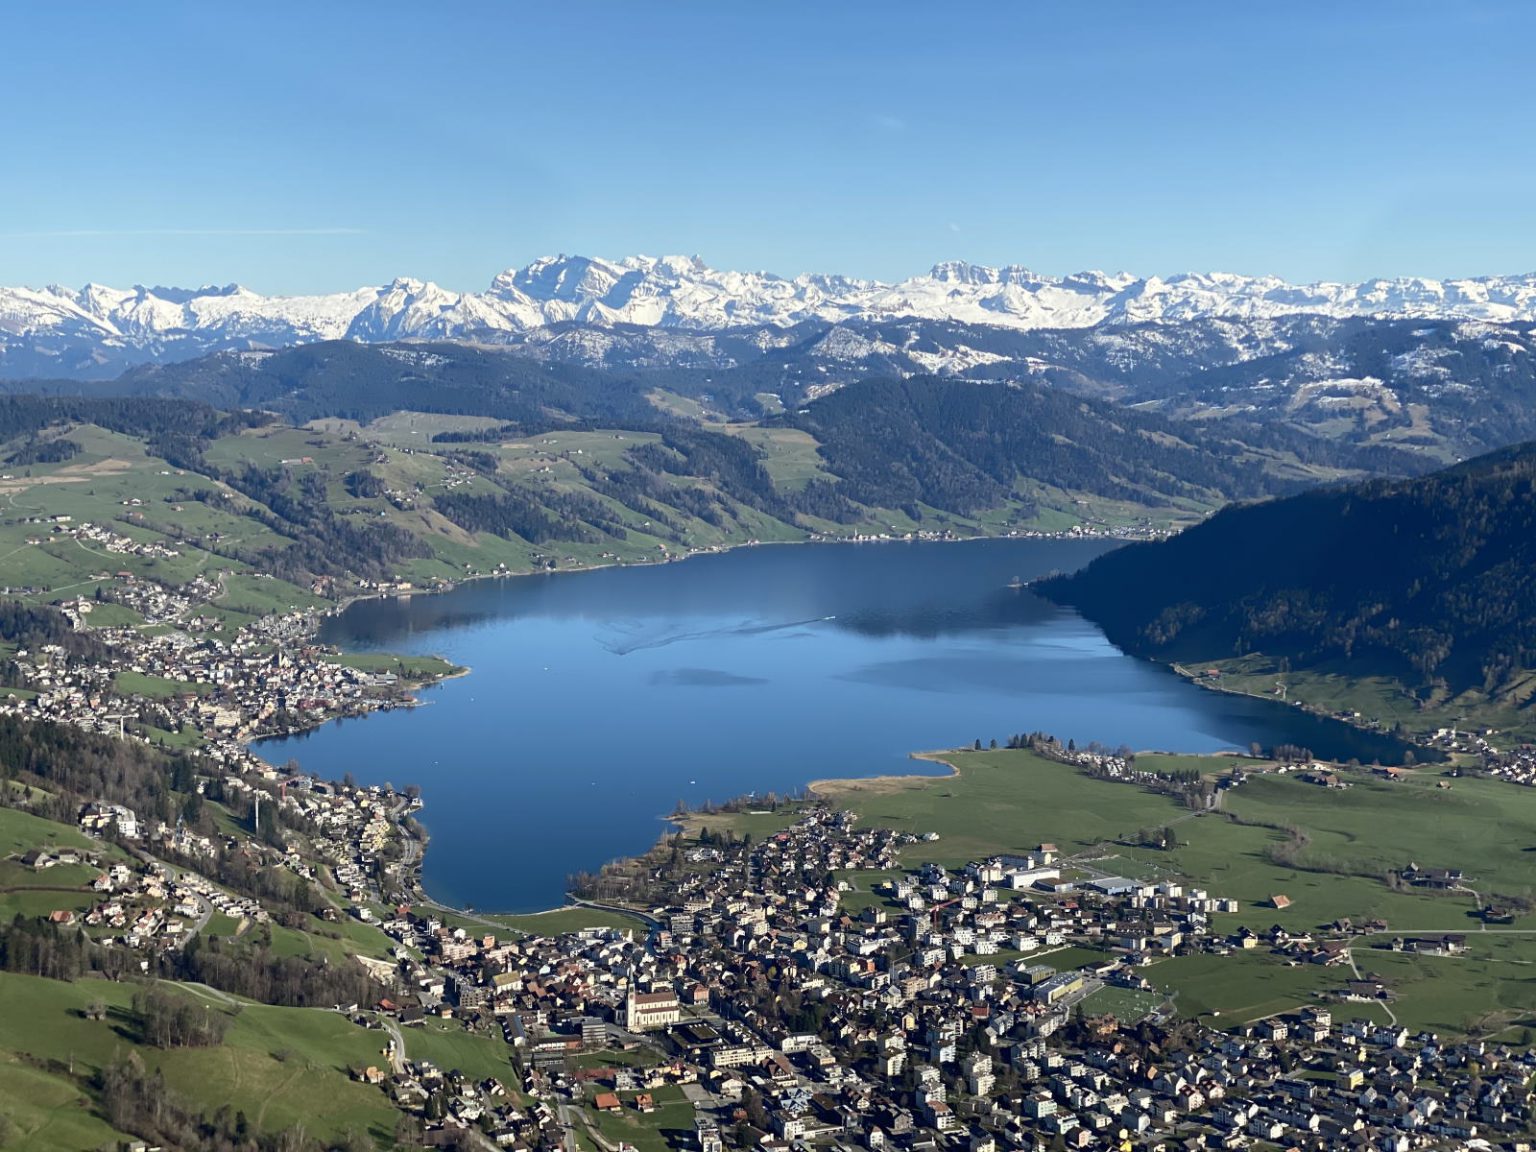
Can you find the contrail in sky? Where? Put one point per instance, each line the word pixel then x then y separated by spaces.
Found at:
pixel 74 233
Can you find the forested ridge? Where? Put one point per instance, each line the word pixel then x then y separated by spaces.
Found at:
pixel 358 382
pixel 1432 580
pixel 963 446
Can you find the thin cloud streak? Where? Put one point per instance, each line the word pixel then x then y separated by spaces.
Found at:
pixel 99 233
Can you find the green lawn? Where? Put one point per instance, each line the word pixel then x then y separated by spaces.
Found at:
pixel 1218 765
pixel 1066 959
pixel 220 924
pixel 558 920
pixel 637 1058
pixel 1125 1004
pixel 47 1112
pixel 20 831
pixel 154 687
pixel 1492 986
pixel 406 667
pixel 32 903
pixel 669 1127
pixel 1242 987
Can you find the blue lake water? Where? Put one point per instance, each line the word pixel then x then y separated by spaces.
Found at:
pixel 599 699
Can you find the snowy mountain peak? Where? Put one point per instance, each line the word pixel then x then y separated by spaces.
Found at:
pixel 960 272
pixel 91 330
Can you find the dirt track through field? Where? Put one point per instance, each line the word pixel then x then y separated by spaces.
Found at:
pixel 73 474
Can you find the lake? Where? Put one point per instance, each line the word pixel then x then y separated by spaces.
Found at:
pixel 598 700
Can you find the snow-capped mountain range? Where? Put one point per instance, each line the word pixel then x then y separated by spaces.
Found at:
pixel 97 331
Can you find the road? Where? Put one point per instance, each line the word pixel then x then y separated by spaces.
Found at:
pixel 644 917
pixel 203 916
pixel 567 1114
pixel 397 1059
pixel 1355 968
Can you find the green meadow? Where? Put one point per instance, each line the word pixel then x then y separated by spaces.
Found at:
pixel 280 1066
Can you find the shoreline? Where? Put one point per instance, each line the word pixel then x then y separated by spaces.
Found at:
pixel 417 882
pixel 460 671
pixel 823 788
pixel 1189 676
pixel 448 585
pixel 830 786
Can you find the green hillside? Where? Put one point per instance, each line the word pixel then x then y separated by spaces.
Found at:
pixel 1421 587
pixel 278 515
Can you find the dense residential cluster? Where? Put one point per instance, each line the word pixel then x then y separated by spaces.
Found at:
pixel 1515 763
pixel 266 678
pixel 791 1010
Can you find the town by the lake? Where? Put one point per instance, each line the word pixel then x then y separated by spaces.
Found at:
pixel 778 971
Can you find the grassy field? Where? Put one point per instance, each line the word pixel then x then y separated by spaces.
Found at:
pixel 1243 987
pixel 280 1066
pixel 639 1058
pixel 154 687
pixel 47 1112
pixel 450 1047
pixel 1490 988
pixel 1125 1004
pixel 1379 700
pixel 412 668
pixel 559 920
pixel 20 831
pixel 792 457
pixel 1487 828
pixel 754 823
pixel 37 893
pixel 1000 802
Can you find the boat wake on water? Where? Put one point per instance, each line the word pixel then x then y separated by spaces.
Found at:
pixel 623 646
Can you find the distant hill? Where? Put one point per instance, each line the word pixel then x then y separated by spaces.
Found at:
pixel 967 447
pixel 957 445
pixel 363 382
pixel 1431 580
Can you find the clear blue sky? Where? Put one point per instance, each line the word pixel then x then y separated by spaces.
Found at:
pixel 315 146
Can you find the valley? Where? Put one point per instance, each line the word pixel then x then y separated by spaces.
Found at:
pixel 175 545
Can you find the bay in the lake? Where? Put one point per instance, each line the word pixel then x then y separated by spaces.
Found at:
pixel 598 700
